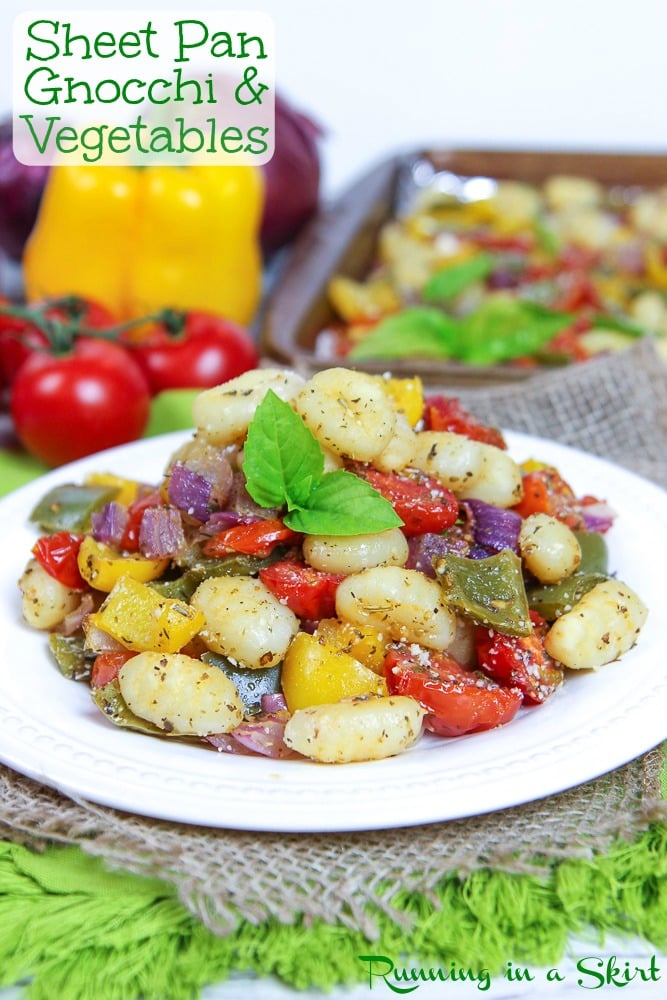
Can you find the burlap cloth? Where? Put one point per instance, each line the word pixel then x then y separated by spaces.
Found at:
pixel 616 408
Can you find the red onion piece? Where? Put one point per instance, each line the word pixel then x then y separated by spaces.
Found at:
pixel 225 743
pixel 99 641
pixel 109 523
pixel 190 492
pixel 161 532
pixel 271 703
pixel 222 519
pixel 292 177
pixel 263 735
pixel 493 527
pixel 422 549
pixel 598 516
pixel 72 622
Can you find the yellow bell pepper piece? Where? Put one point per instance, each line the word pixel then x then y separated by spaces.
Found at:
pixel 126 489
pixel 407 394
pixel 102 566
pixel 656 265
pixel 141 240
pixel 315 673
pixel 365 644
pixel 139 618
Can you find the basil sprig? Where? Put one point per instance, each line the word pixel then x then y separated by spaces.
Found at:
pixel 284 467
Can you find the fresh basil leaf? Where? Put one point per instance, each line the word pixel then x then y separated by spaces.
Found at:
pixel 618 324
pixel 448 282
pixel 343 504
pixel 416 332
pixel 546 237
pixel 502 329
pixel 282 458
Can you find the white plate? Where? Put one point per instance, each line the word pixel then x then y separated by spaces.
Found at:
pixel 51 731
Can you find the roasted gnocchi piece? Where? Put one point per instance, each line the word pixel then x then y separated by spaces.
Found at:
pixel 180 694
pixel 602 626
pixel 400 603
pixel 244 620
pixel 355 729
pixel 222 415
pixel 45 601
pixel 352 553
pixel 549 549
pixel 348 412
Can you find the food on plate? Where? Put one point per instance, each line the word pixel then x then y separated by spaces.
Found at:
pixel 323 573
pixel 488 272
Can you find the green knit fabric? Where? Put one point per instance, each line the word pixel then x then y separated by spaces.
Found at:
pixel 71 929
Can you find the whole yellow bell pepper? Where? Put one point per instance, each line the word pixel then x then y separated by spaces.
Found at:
pixel 138 240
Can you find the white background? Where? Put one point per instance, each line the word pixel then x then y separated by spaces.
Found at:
pixel 382 75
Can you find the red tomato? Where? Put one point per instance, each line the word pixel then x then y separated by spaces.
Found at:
pixel 19 337
pixel 259 538
pixel 519 661
pixel 106 667
pixel 57 554
pixel 190 350
pixel 70 405
pixel 546 492
pixel 424 505
pixel 443 413
pixel 457 700
pixel 308 592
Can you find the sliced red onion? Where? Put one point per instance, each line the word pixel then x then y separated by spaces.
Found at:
pixel 225 743
pixel 422 549
pixel 494 528
pixel 271 703
pixel 222 519
pixel 99 641
pixel 161 532
pixel 72 622
pixel 598 516
pixel 190 492
pixel 109 523
pixel 264 735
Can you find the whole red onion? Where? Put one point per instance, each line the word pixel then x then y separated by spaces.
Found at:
pixel 292 177
pixel 21 190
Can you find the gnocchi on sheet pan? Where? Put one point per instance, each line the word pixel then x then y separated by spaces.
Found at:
pixel 328 568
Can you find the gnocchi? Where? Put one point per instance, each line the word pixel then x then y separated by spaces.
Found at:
pixel 340 596
pixel 180 694
pixel 355 729
pixel 602 626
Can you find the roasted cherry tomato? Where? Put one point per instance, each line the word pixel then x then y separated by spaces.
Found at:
pixel 457 700
pixel 308 592
pixel 519 661
pixel 58 555
pixel 259 538
pixel 423 504
pixel 92 397
pixel 106 667
pixel 442 413
pixel 191 350
pixel 546 492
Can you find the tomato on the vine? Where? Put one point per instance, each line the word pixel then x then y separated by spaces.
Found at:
pixel 22 330
pixel 457 701
pixel 190 350
pixel 68 405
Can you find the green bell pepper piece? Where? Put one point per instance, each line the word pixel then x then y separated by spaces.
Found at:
pixel 68 652
pixel 554 599
pixel 69 507
pixel 250 684
pixel 491 591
